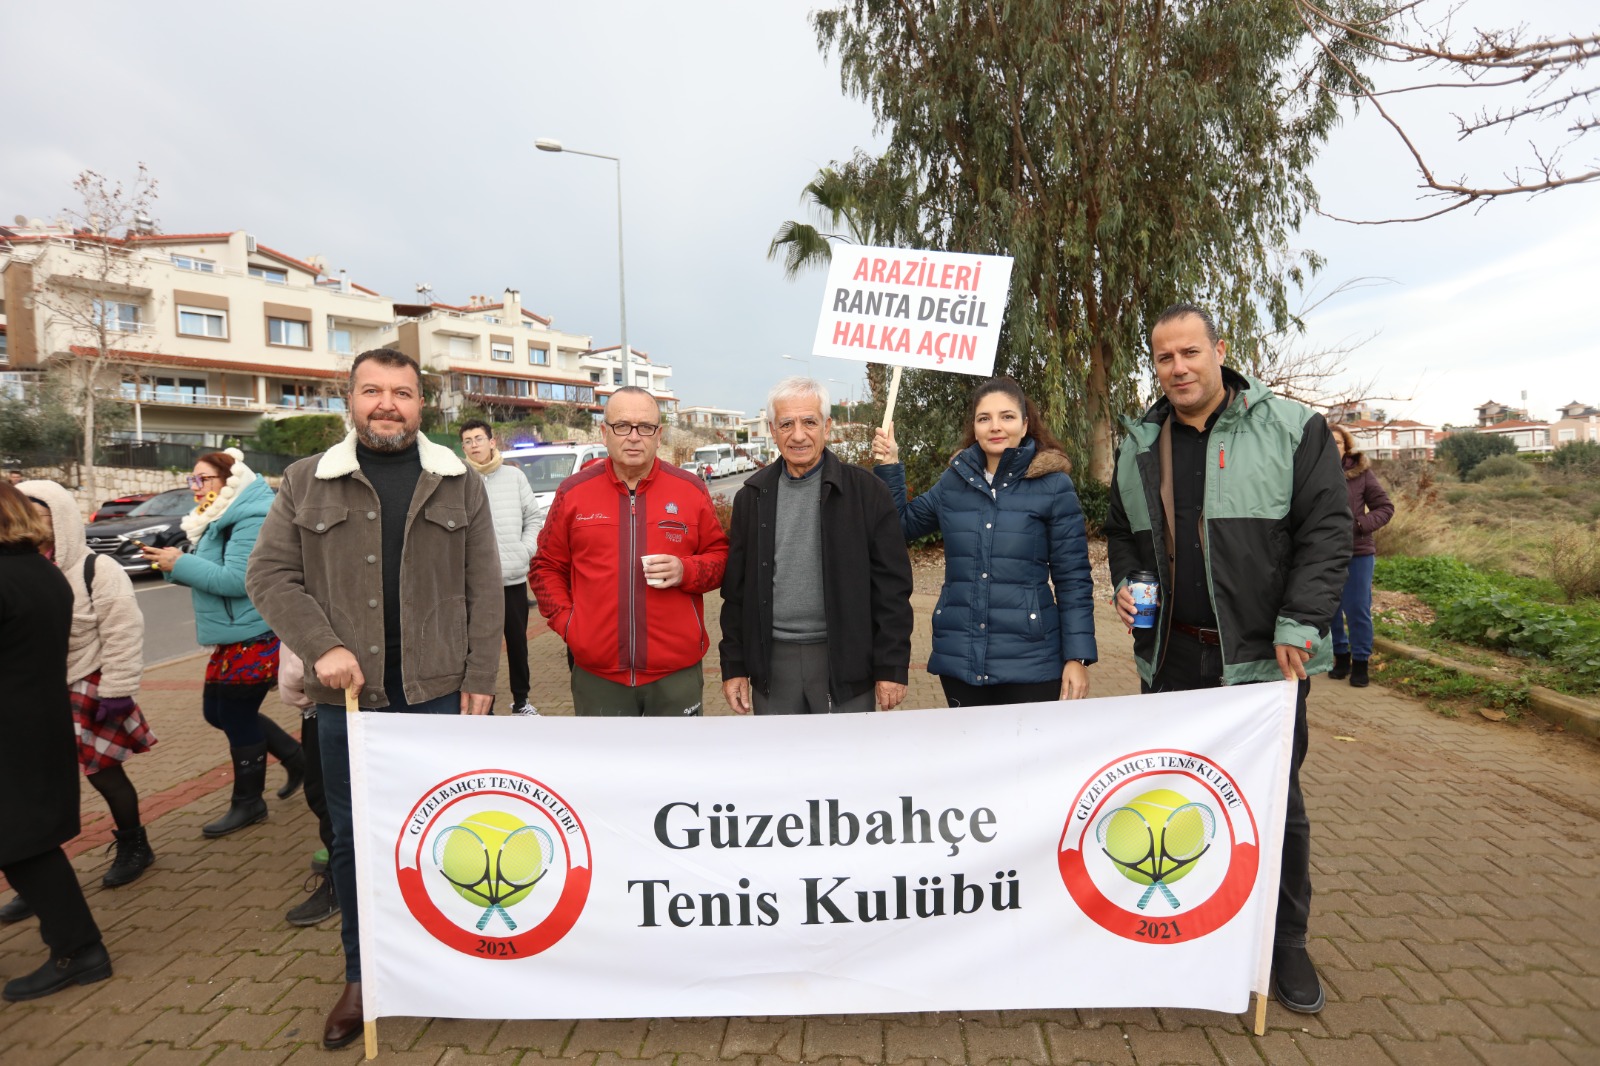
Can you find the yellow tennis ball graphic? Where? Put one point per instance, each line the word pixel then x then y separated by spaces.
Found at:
pixel 1157 836
pixel 491 859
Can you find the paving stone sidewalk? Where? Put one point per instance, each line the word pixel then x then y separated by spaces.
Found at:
pixel 1456 867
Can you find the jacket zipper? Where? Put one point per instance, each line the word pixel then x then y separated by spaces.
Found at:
pixel 633 622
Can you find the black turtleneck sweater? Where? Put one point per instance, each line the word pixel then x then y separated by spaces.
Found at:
pixel 394 475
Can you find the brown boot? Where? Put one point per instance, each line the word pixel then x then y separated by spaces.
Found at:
pixel 344 1020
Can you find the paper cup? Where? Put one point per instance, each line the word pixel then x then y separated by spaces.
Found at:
pixel 645 561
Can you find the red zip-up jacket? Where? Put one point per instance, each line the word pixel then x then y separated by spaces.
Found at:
pixel 590 583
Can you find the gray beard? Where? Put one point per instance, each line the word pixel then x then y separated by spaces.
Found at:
pixel 397 442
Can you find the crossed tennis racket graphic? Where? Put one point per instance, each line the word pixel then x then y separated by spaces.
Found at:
pixel 1157 855
pixel 488 865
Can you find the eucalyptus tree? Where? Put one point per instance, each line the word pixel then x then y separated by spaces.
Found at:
pixel 1126 153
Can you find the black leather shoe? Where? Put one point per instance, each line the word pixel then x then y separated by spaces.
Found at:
pixel 344 1020
pixel 15 911
pixel 85 968
pixel 1295 982
pixel 1358 673
pixel 1341 667
pixel 133 855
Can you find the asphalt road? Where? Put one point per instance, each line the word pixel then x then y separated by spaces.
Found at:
pixel 168 620
pixel 727 486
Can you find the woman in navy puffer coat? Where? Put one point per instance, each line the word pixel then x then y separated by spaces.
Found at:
pixel 1012 529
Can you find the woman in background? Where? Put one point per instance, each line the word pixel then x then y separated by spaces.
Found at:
pixel 1352 622
pixel 38 779
pixel 231 503
pixel 105 663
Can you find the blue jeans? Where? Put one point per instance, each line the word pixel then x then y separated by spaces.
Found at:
pixel 333 733
pixel 1355 610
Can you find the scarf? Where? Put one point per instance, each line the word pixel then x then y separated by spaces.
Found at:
pixel 212 507
pixel 485 468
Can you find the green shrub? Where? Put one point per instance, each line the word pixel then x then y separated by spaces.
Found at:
pixel 299 434
pixel 1499 466
pixel 1455 496
pixel 1581 457
pixel 1574 554
pixel 1095 499
pixel 1466 449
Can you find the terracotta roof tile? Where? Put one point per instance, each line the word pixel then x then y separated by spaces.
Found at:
pixel 162 359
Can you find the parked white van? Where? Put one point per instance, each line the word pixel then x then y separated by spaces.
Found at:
pixel 546 466
pixel 719 457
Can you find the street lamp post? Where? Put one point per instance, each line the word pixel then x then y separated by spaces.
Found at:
pixel 803 362
pixel 550 144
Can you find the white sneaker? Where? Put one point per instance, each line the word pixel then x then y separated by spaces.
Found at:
pixel 526 709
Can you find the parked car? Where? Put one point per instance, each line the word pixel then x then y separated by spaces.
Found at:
pixel 154 522
pixel 719 456
pixel 698 467
pixel 120 506
pixel 546 466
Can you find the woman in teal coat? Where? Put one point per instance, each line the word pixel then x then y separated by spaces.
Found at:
pixel 231 503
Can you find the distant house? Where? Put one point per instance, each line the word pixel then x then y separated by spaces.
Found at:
pixel 1571 429
pixel 1575 409
pixel 1492 414
pixel 1529 437
pixel 1402 439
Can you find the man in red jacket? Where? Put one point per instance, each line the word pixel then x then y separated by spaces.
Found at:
pixel 628 550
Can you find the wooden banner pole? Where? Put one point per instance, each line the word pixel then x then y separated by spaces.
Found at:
pixel 894 394
pixel 1261 1014
pixel 369 1026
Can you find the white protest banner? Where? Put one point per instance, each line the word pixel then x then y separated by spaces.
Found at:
pixel 1111 853
pixel 924 310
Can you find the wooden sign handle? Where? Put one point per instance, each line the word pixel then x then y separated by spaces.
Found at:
pixel 894 394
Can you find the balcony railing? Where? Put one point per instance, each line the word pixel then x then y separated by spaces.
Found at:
pixel 159 394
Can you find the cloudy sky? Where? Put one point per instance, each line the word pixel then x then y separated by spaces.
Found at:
pixel 396 140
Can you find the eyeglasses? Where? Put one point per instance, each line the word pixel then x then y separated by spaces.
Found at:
pixel 198 481
pixel 644 429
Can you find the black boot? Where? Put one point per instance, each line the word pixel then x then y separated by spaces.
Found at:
pixel 133 855
pixel 1341 667
pixel 1358 673
pixel 84 967
pixel 249 778
pixel 15 911
pixel 287 751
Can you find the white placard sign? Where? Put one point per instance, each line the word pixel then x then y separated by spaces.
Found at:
pixel 1113 853
pixel 925 310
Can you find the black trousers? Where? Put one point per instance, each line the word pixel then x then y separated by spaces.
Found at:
pixel 1191 665
pixel 517 641
pixel 957 693
pixel 315 788
pixel 48 884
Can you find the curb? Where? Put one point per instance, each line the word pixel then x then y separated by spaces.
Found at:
pixel 1573 714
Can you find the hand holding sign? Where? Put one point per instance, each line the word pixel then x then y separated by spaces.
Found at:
pixel 884 448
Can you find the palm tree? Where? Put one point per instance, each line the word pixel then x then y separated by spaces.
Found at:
pixel 854 201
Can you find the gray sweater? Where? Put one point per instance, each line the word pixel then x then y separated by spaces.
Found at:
pixel 797 608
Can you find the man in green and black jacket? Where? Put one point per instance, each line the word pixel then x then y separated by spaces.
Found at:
pixel 1235 499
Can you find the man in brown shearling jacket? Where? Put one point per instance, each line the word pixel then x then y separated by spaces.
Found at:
pixel 378 566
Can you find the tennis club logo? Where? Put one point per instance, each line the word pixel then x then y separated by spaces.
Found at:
pixel 494 863
pixel 1160 846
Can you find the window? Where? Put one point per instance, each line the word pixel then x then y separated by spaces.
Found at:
pixel 276 277
pixel 202 322
pixel 565 393
pixel 616 377
pixel 1567 434
pixel 117 316
pixel 189 262
pixel 460 347
pixel 594 376
pixel 500 353
pixel 339 341
pixel 540 356
pixel 288 332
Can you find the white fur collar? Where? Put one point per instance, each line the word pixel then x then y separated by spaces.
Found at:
pixel 341 460
pixel 195 522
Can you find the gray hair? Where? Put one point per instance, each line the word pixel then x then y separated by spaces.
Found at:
pixel 798 388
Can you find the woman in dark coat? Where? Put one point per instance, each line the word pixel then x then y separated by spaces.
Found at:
pixel 39 759
pixel 1015 619
pixel 1352 622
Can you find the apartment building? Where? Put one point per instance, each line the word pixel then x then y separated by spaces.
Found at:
pixel 1531 437
pixel 209 332
pixel 719 420
pixel 1398 439
pixel 605 368
pixel 511 361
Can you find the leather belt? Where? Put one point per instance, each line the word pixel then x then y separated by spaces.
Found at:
pixel 1204 636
